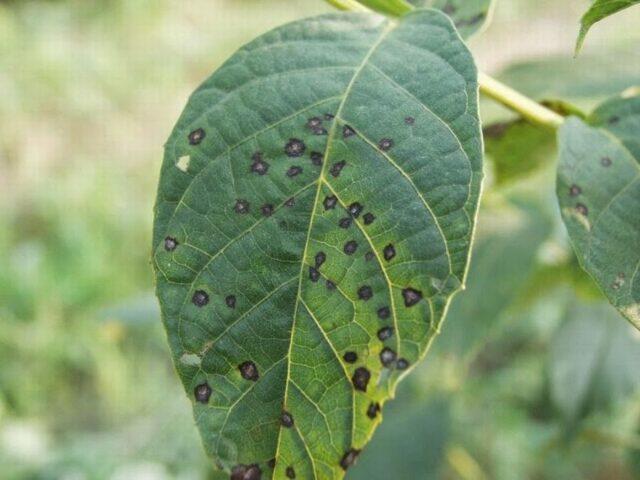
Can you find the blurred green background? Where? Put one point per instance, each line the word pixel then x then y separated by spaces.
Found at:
pixel 534 376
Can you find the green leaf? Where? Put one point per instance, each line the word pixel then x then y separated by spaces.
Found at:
pixel 600 9
pixel 469 16
pixel 599 193
pixel 320 187
pixel 389 7
pixel 593 361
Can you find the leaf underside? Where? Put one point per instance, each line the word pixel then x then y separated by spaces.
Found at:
pixel 315 211
pixel 599 194
pixel 599 10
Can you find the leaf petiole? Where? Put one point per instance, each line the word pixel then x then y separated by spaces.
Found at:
pixel 513 100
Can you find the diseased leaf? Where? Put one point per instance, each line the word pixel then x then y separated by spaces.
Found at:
pixel 600 9
pixel 468 15
pixel 599 193
pixel 314 217
pixel 593 361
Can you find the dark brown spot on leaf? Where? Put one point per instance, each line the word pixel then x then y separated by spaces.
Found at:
pixel 349 458
pixel 350 357
pixel 369 256
pixel 613 120
pixel 389 252
pixel 605 161
pixel 321 257
pixel 582 209
pixel 347 131
pixel 329 202
pixel 200 298
pixel 368 218
pixel 350 247
pixel 411 296
pixel 170 244
pixel 365 293
pixel 314 122
pixel 336 168
pixel 294 147
pixel 373 410
pixel 345 222
pixel 314 274
pixel 330 285
pixel 387 357
pixel 294 171
pixel 329 116
pixel 361 379
pixel 575 190
pixel 385 144
pixel 286 419
pixel 355 209
pixel 241 207
pixel 259 166
pixel 246 472
pixel 385 333
pixel 316 158
pixel 197 136
pixel 291 473
pixel 272 463
pixel 202 393
pixel 409 120
pixel 230 301
pixel 290 202
pixel 267 209
pixel 249 371
pixel 402 364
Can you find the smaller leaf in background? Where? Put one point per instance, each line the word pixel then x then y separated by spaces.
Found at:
pixel 389 7
pixel 469 16
pixel 518 148
pixel 593 361
pixel 598 189
pixel 599 10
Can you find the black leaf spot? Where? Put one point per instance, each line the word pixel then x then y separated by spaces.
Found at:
pixel 294 148
pixel 246 472
pixel 582 209
pixel 329 116
pixel 329 202
pixel 294 171
pixel 291 473
pixel 272 463
pixel 385 144
pixel 411 296
pixel 389 252
pixel 349 458
pixel 361 379
pixel 314 274
pixel 230 301
pixel 402 364
pixel 170 244
pixel 202 393
pixel 409 120
pixel 350 247
pixel 319 131
pixel 373 410
pixel 290 202
pixel 241 207
pixel 365 293
pixel 316 158
pixel 613 120
pixel 605 161
pixel 347 131
pixel 345 222
pixel 200 298
pixel 314 122
pixel 336 168
pixel 259 166
pixel 267 209
pixel 350 357
pixel 575 190
pixel 385 333
pixel 368 218
pixel 249 371
pixel 369 256
pixel 321 257
pixel 197 136
pixel 383 313
pixel 286 419
pixel 387 357
pixel 330 285
pixel 355 209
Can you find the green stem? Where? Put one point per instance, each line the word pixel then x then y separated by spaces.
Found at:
pixel 529 109
pixel 351 5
